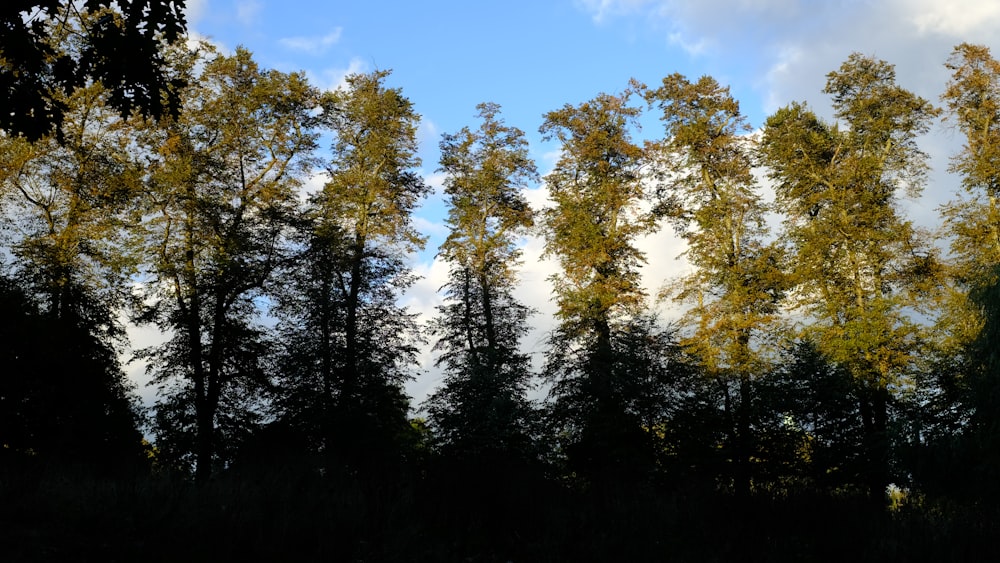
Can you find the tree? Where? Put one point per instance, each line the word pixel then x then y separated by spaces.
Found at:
pixel 117 43
pixel 71 201
pixel 598 196
pixel 222 186
pixel 972 225
pixel 809 422
pixel 709 193
pixel 357 343
pixel 859 266
pixel 66 205
pixel 972 102
pixel 482 406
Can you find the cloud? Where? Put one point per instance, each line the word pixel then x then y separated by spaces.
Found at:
pixel 954 18
pixel 692 48
pixel 313 184
pixel 428 135
pixel 785 48
pixel 140 337
pixel 194 10
pixel 312 45
pixel 336 78
pixel 423 298
pixel 430 228
pixel 247 11
pixel 601 10
pixel 436 181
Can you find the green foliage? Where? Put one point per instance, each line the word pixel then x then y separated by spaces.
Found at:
pixel 597 191
pixel 349 345
pixel 221 191
pixel 373 187
pixel 482 404
pixel 708 191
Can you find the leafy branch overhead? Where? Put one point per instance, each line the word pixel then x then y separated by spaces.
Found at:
pixel 117 43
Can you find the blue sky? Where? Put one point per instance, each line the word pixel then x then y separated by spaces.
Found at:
pixel 535 56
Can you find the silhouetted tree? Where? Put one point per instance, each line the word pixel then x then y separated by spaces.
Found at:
pixel 709 193
pixel 962 452
pixel 221 189
pixel 809 423
pixel 52 47
pixel 64 399
pixel 350 346
pixel 481 411
pixel 68 202
pixel 598 196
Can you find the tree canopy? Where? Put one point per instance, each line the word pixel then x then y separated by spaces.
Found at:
pixel 826 368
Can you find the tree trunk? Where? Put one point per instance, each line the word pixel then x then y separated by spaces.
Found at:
pixel 874 417
pixel 741 480
pixel 350 381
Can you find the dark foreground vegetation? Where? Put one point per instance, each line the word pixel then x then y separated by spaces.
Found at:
pixel 830 393
pixel 294 515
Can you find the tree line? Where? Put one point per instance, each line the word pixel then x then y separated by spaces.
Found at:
pixel 837 350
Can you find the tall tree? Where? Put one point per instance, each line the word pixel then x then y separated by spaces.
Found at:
pixel 66 204
pixel 859 264
pixel 591 229
pixel 972 224
pixel 357 234
pixel 710 194
pixel 482 405
pixel 222 185
pixel 972 101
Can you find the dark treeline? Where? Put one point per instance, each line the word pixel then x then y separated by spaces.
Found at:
pixel 830 392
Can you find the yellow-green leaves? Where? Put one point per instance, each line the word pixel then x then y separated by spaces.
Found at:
pixel 597 188
pixel 855 256
pixel 374 187
pixel 706 180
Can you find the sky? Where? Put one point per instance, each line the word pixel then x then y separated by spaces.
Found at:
pixel 535 56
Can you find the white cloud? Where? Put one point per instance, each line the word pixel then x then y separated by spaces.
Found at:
pixel 953 18
pixel 694 48
pixel 423 298
pixel 430 228
pixel 312 45
pixel 140 337
pixel 336 78
pixel 313 184
pixel 428 135
pixel 247 11
pixel 196 40
pixel 194 10
pixel 436 181
pixel 600 10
